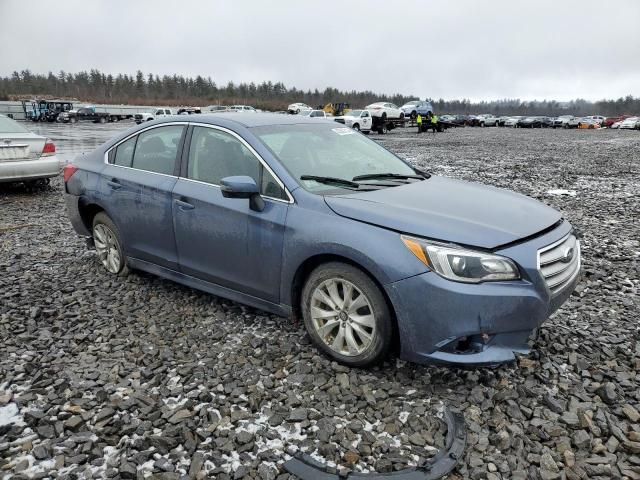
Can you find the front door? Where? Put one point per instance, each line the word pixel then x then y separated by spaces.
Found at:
pixel 221 240
pixel 137 187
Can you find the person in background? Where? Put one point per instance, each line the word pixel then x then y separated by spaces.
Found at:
pixel 434 122
pixel 419 123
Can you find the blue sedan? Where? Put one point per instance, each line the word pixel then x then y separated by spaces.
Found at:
pixel 307 218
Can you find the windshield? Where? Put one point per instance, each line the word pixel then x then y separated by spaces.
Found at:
pixel 327 151
pixel 10 126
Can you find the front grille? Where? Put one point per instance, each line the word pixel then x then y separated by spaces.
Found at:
pixel 559 263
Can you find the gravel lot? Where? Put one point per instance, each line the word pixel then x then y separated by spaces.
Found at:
pixel 139 377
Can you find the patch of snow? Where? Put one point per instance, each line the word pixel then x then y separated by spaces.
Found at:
pixel 560 191
pixel 10 414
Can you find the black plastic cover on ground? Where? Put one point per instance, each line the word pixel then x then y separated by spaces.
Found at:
pixel 306 468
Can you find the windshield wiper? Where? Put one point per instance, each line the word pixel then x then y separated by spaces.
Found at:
pixel 376 176
pixel 331 180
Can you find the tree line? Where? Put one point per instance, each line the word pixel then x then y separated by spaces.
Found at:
pixel 144 89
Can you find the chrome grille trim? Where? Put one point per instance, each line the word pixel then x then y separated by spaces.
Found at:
pixel 557 272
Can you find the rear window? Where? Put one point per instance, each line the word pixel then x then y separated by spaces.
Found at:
pixel 11 126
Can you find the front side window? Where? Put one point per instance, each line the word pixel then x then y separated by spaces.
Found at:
pixel 157 149
pixel 214 155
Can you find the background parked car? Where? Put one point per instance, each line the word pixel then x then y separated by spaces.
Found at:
pixel 512 121
pixel 631 123
pixel 151 115
pixel 242 109
pixel 487 120
pixel 25 156
pixel 356 119
pixel 609 121
pixel 561 121
pixel 599 119
pixel 529 122
pixel 319 114
pixel 295 108
pixel 415 107
pixel 502 119
pixel 385 110
pixel 588 123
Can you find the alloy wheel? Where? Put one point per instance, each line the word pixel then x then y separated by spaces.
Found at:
pixel 343 317
pixel 107 248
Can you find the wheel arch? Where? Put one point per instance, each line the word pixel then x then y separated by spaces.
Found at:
pixel 88 210
pixel 310 264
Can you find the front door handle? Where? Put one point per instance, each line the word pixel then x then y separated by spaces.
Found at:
pixel 182 205
pixel 114 184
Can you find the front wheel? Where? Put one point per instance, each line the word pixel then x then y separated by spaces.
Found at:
pixel 108 243
pixel 356 127
pixel 346 315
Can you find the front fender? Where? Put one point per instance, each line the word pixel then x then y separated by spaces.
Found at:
pixel 311 233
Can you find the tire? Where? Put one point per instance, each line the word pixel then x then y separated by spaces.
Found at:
pixel 108 243
pixel 482 124
pixel 414 115
pixel 356 127
pixel 102 120
pixel 384 116
pixel 371 335
pixel 73 120
pixel 401 116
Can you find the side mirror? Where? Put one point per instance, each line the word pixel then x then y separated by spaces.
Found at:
pixel 242 186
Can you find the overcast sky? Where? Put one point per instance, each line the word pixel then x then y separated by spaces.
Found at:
pixel 451 49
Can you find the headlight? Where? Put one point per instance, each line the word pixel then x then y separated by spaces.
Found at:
pixel 460 264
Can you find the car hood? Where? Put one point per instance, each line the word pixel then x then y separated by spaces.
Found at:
pixel 449 210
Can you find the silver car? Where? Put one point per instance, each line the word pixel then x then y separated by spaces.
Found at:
pixel 25 156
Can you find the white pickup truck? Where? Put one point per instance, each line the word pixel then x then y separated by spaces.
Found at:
pixel 152 115
pixel 360 120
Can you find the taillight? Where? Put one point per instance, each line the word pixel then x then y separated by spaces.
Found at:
pixel 68 171
pixel 49 148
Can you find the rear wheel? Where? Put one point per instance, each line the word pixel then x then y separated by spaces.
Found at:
pixel 108 243
pixel 346 315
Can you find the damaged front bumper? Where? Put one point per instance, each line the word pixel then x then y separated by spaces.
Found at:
pixel 442 321
pixel 306 468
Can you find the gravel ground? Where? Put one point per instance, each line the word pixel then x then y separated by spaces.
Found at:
pixel 139 377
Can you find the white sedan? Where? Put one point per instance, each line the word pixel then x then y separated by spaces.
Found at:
pixel 25 156
pixel 631 123
pixel 298 107
pixel 385 110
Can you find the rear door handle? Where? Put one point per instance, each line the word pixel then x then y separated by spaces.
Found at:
pixel 114 184
pixel 182 205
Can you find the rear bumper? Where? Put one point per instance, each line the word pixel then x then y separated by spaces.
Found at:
pixel 441 321
pixel 73 212
pixel 44 167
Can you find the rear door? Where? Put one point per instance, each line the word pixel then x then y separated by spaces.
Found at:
pixel 221 240
pixel 137 186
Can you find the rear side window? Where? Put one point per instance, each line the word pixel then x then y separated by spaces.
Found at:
pixel 124 153
pixel 157 149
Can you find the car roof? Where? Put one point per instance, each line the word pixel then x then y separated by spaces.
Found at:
pixel 255 120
